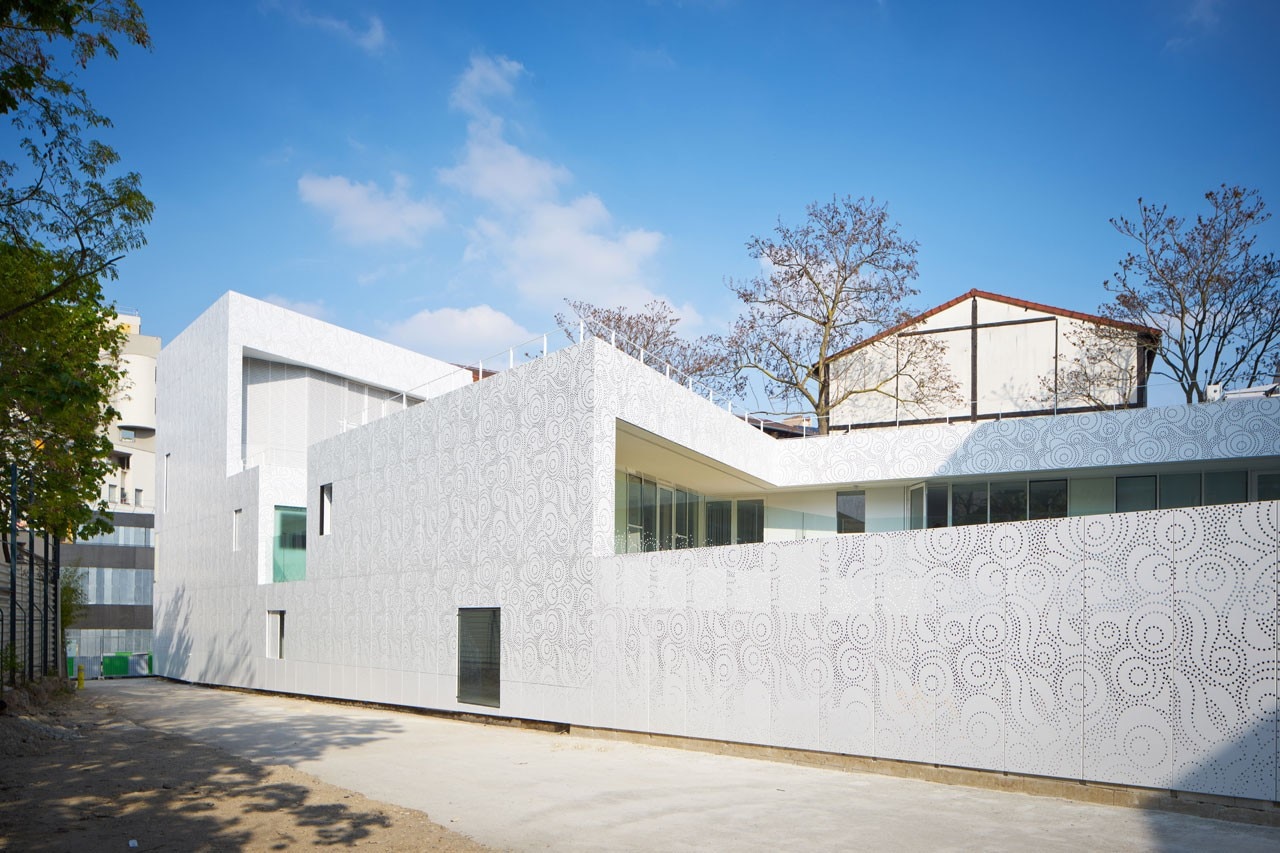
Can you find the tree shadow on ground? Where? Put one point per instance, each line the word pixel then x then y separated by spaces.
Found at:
pixel 116 782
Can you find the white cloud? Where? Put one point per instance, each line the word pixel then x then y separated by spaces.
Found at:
pixel 547 247
pixel 496 171
pixel 365 214
pixel 312 308
pixel 461 335
pixel 371 39
pixel 484 78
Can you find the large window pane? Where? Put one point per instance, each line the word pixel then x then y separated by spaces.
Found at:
pixel 1047 498
pixel 1135 494
pixel 479 655
pixel 289 549
pixel 935 506
pixel 750 521
pixel 1009 501
pixel 916 502
pixel 969 503
pixel 1094 496
pixel 851 512
pixel 1226 487
pixel 719 522
pixel 1178 490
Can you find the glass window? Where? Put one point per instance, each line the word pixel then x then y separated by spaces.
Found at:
pixel 1226 487
pixel 1135 494
pixel 686 521
pixel 480 655
pixel 1047 498
pixel 719 522
pixel 1177 490
pixel 642 514
pixel 1009 501
pixel 851 512
pixel 289 551
pixel 237 531
pixel 935 506
pixel 666 519
pixel 916 507
pixel 969 503
pixel 1094 496
pixel 750 521
pixel 1268 485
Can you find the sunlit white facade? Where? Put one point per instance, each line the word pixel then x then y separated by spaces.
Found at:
pixel 520 546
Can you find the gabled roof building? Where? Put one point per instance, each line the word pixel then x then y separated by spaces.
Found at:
pixel 1011 358
pixel 580 540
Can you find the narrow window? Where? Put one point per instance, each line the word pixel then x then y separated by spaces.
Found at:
pixel 137 498
pixel 750 521
pixel 916 507
pixel 275 634
pixel 289 553
pixel 165 496
pixel 326 509
pixel 851 512
pixel 111 493
pixel 719 524
pixel 480 655
pixel 686 519
pixel 237 519
pixel 935 506
pixel 666 519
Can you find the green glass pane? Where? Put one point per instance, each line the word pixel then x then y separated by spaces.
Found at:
pixel 289 545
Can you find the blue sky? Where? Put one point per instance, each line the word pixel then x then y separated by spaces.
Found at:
pixel 443 175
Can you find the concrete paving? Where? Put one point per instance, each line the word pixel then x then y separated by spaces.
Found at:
pixel 525 790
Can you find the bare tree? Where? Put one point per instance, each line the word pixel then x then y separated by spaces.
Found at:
pixel 650 334
pixel 1202 284
pixel 837 280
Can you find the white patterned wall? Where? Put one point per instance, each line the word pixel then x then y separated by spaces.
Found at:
pixel 1136 648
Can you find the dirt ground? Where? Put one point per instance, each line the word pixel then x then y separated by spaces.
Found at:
pixel 76 776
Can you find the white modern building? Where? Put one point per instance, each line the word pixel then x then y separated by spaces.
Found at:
pixel 116 568
pixel 1010 358
pixel 583 541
